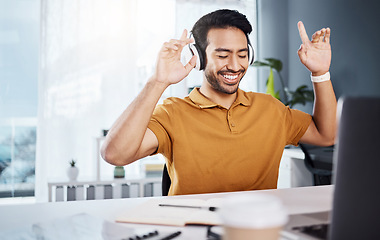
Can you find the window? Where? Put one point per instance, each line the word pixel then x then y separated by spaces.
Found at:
pixel 19 41
pixel 17 157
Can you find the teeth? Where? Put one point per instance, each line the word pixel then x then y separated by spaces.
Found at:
pixel 231 77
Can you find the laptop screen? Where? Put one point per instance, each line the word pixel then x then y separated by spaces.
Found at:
pixel 356 205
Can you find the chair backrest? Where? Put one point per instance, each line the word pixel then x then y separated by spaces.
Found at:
pixel 321 174
pixel 166 181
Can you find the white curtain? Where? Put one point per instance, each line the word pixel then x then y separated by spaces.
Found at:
pixel 95 56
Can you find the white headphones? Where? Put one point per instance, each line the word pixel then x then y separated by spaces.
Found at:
pixel 193 49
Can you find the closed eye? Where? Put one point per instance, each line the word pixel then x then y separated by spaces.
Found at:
pixel 221 56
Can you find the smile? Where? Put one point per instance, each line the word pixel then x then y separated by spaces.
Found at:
pixel 230 77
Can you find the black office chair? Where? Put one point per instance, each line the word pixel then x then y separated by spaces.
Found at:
pixel 166 181
pixel 321 170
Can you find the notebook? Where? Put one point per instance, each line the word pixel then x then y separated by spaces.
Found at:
pixel 356 205
pixel 174 212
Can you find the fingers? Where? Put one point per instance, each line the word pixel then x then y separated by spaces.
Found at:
pixel 322 35
pixel 184 35
pixel 315 37
pixel 318 36
pixel 302 32
pixel 191 64
pixel 174 45
pixel 302 53
pixel 178 44
pixel 327 35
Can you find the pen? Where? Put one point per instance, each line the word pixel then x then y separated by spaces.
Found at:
pixel 145 236
pixel 213 209
pixel 171 236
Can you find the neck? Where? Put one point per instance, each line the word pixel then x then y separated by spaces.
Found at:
pixel 223 99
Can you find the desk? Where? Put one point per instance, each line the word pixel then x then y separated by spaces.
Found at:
pixel 296 200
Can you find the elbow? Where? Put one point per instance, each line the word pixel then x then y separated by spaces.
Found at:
pixel 112 155
pixel 332 137
pixel 107 154
pixel 320 140
pixel 328 136
pixel 329 140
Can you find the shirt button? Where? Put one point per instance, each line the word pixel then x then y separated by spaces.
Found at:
pixel 232 124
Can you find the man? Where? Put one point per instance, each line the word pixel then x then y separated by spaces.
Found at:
pixel 220 138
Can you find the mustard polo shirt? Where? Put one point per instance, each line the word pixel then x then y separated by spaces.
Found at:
pixel 209 148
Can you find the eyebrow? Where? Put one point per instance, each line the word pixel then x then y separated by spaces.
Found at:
pixel 228 50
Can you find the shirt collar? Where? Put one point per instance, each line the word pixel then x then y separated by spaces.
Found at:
pixel 203 102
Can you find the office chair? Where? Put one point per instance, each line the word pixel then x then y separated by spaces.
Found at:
pixel 166 181
pixel 321 170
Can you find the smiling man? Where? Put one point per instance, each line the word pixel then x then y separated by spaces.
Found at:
pixel 221 138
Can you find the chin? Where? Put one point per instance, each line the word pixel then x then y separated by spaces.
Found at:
pixel 229 89
pixel 218 83
pixel 233 91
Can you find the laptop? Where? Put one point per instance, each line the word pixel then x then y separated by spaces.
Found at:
pixel 356 205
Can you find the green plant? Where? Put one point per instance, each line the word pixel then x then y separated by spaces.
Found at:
pixel 72 163
pixel 301 95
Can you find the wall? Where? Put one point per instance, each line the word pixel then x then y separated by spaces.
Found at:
pixel 353 39
pixel 273 40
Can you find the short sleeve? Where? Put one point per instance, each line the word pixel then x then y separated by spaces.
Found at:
pixel 297 122
pixel 157 123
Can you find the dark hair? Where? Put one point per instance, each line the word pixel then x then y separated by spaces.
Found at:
pixel 223 18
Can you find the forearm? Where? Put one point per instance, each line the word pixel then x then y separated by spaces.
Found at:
pixel 125 137
pixel 324 113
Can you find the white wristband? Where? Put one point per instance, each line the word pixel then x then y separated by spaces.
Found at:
pixel 322 78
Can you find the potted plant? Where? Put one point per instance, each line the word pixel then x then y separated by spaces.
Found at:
pixel 119 172
pixel 301 95
pixel 72 171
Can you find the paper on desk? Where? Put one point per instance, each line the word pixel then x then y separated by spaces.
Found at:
pixel 150 212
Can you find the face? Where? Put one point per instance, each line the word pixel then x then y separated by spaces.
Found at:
pixel 227 59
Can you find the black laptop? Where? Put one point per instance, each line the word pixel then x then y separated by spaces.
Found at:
pixel 356 204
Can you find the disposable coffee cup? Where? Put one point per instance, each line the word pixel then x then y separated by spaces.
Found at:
pixel 252 216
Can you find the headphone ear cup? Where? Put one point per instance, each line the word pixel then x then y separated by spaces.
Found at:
pixel 195 51
pixel 251 54
pixel 187 53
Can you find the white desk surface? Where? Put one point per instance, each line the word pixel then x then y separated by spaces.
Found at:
pixel 296 200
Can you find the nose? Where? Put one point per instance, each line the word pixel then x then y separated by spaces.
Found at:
pixel 234 64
